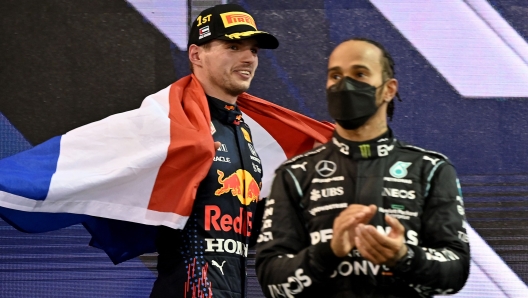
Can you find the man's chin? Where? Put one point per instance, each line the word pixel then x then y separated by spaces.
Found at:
pixel 237 90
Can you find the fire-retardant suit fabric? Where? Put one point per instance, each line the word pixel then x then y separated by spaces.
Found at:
pixel 418 187
pixel 208 257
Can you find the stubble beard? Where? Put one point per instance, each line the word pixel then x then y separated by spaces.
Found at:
pixel 228 84
pixel 234 88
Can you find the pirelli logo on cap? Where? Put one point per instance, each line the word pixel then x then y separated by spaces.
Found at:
pixel 237 18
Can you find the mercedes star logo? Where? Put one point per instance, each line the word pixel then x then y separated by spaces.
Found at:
pixel 325 168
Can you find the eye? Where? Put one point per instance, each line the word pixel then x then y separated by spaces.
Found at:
pixel 255 51
pixel 233 47
pixel 335 76
pixel 360 74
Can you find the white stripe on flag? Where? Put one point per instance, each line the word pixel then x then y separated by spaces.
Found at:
pixel 116 159
pixel 270 153
pixel 95 208
pixel 108 168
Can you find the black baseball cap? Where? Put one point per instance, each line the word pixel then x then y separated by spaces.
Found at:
pixel 228 22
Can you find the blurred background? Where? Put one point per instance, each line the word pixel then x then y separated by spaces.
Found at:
pixel 462 66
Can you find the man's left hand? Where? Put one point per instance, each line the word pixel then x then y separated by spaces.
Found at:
pixel 217 145
pixel 378 248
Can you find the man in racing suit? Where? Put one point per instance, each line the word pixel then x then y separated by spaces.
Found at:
pixel 364 215
pixel 208 257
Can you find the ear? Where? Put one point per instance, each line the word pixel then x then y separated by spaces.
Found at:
pixel 194 55
pixel 391 88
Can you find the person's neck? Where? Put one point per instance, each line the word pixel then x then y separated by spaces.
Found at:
pixel 368 131
pixel 215 92
pixel 222 96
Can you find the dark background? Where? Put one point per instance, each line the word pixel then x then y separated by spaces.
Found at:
pixel 67 63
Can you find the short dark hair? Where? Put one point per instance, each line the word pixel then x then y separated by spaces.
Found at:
pixel 388 68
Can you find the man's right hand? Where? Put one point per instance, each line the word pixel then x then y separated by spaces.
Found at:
pixel 344 227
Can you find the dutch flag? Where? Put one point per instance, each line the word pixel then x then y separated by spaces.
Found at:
pixel 132 171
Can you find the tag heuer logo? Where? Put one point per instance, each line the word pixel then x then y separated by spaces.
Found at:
pixel 399 169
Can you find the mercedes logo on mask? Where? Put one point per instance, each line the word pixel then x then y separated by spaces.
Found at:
pixel 325 168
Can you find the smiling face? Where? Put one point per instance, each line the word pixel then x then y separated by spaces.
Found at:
pixel 225 68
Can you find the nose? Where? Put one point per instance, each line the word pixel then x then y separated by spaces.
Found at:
pixel 249 57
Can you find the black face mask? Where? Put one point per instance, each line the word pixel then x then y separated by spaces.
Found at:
pixel 351 103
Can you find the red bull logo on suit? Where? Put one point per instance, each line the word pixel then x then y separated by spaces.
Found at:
pixel 241 184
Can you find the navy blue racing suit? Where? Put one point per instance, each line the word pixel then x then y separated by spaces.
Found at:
pixel 208 257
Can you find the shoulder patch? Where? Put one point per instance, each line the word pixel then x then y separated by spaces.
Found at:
pixel 309 153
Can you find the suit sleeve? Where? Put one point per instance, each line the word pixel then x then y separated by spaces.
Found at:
pixel 257 223
pixel 441 261
pixel 286 261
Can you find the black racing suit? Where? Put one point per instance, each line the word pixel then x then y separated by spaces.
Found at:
pixel 208 257
pixel 418 187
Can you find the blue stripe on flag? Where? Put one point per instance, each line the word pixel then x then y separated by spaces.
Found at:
pixel 28 174
pixel 38 222
pixel 120 240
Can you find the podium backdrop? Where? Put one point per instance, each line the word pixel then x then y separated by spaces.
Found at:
pixel 463 72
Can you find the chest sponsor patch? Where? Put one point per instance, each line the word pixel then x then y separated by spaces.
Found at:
pixel 399 169
pixel 398 213
pixel 240 184
pixel 316 194
pixel 326 180
pixel 226 246
pixel 222 159
pixel 256 168
pixel 217 221
pixel 399 193
pixel 252 149
pixel 255 159
pixel 316 210
pixel 399 180
pixel 222 148
pixel 246 134
pixel 325 168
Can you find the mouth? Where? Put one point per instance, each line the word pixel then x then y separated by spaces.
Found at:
pixel 244 73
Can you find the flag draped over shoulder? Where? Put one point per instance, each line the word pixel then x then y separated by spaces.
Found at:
pixel 126 174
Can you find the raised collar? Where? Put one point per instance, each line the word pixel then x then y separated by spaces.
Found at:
pixel 224 111
pixel 378 147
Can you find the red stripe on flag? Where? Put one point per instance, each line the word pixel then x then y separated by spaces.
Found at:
pixel 191 149
pixel 294 132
